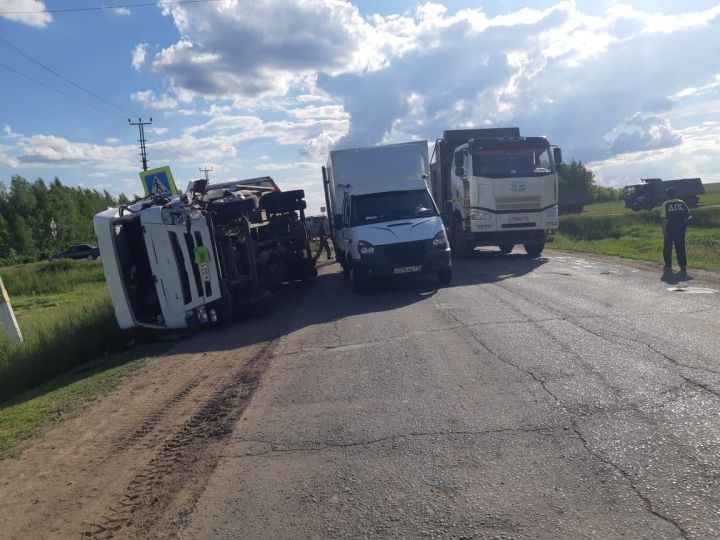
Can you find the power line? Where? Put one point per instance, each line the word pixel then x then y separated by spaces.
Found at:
pixel 59 91
pixel 19 51
pixel 103 8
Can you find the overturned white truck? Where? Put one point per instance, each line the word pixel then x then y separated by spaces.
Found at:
pixel 203 256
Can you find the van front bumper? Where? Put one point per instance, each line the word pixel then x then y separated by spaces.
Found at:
pixel 391 260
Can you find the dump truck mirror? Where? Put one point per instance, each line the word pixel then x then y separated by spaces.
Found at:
pixel 460 171
pixel 337 221
pixel 557 155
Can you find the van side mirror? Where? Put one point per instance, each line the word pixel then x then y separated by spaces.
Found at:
pixel 337 221
pixel 557 155
pixel 460 171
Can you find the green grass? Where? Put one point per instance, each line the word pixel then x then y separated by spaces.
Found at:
pixel 66 318
pixel 28 414
pixel 638 236
pixel 57 276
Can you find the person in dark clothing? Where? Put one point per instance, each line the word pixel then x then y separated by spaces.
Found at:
pixel 323 240
pixel 675 216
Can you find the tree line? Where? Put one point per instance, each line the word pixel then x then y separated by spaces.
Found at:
pixel 575 175
pixel 27 210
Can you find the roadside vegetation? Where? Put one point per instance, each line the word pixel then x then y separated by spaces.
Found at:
pixel 27 210
pixel 29 413
pixel 637 235
pixel 66 317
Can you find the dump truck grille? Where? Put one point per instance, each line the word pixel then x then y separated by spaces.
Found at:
pixel 518 203
pixel 406 254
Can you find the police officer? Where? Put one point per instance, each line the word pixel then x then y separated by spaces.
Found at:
pixel 675 215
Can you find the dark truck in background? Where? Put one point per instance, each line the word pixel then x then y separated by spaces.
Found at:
pixel 572 199
pixel 651 192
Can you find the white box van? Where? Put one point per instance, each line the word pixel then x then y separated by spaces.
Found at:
pixel 384 220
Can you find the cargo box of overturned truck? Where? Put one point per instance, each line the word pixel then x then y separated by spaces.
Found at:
pixel 205 256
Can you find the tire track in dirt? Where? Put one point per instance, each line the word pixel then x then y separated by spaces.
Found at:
pixel 164 491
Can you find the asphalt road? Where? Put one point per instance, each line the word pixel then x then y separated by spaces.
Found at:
pixel 552 398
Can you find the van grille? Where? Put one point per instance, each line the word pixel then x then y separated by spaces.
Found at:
pixel 518 203
pixel 406 254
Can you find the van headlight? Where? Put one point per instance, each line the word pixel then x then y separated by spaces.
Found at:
pixel 365 248
pixel 440 240
pixel 551 212
pixel 479 215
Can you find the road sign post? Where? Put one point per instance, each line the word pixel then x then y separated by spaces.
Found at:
pixel 158 182
pixel 7 316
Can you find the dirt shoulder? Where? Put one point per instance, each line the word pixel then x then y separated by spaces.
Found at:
pixel 133 463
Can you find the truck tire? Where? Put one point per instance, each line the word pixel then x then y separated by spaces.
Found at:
pixel 534 250
pixel 444 276
pixel 458 244
pixel 506 248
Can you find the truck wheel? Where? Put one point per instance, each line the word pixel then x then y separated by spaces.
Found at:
pixel 534 250
pixel 457 243
pixel 506 248
pixel 444 276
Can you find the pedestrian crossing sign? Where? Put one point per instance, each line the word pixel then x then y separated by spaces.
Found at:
pixel 158 182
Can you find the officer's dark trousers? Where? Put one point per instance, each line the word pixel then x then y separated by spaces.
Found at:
pixel 677 238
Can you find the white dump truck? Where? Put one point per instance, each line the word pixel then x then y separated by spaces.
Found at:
pixel 206 255
pixel 384 221
pixel 496 188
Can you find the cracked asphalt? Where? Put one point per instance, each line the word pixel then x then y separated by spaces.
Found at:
pixel 565 397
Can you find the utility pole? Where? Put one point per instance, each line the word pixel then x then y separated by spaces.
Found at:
pixel 7 316
pixel 206 170
pixel 141 128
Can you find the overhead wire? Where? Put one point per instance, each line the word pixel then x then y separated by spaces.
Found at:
pixel 29 77
pixel 21 52
pixel 102 8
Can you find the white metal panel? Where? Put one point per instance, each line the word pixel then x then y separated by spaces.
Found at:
pixel 394 232
pixel 378 169
pixel 104 231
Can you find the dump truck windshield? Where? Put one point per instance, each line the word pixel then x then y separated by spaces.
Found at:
pixel 391 206
pixel 512 163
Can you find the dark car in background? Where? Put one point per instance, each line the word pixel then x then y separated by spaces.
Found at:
pixel 81 251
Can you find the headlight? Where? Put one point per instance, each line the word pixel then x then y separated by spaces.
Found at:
pixel 479 215
pixel 440 239
pixel 365 248
pixel 551 212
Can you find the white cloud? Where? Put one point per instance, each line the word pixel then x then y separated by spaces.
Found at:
pixel 147 98
pixel 139 53
pixel 112 140
pixel 287 166
pixel 121 12
pixel 26 12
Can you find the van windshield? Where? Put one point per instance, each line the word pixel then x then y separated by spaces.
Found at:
pixel 392 206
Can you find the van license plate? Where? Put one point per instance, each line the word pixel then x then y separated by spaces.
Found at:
pixel 407 269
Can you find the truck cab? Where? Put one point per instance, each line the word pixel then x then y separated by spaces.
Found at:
pixel 497 189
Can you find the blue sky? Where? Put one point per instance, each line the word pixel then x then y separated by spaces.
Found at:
pixel 269 86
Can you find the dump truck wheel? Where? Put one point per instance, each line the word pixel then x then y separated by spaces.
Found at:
pixel 534 250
